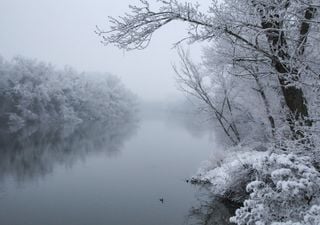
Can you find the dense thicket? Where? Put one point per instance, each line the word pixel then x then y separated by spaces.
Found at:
pixel 36 92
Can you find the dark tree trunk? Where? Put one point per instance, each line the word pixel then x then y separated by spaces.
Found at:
pixel 293 95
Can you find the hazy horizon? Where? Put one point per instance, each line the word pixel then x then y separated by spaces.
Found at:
pixel 62 33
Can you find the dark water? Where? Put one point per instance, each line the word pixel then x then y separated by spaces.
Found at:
pixel 99 173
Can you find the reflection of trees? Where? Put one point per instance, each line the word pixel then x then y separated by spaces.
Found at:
pixel 211 211
pixel 34 151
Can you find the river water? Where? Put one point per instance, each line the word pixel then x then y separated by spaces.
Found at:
pixel 102 173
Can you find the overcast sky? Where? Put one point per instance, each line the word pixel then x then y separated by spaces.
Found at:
pixel 62 32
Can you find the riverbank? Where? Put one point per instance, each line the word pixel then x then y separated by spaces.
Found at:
pixel 273 187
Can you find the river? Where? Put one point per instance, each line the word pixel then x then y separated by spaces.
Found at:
pixel 100 173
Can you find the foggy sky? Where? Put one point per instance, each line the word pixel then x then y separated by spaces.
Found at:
pixel 62 32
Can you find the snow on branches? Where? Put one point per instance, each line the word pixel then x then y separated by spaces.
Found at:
pixel 275 35
pixel 135 29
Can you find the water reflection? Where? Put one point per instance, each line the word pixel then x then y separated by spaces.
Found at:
pixel 34 151
pixel 125 190
pixel 211 210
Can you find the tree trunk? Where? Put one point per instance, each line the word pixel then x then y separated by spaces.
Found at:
pixel 293 95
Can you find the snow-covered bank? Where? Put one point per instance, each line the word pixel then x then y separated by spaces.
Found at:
pixel 227 171
pixel 275 188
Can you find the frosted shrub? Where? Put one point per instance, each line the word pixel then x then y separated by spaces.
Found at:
pixel 285 192
pixel 230 176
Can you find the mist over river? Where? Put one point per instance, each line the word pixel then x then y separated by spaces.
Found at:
pixel 105 173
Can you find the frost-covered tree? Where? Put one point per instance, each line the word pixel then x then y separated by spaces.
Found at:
pixel 214 94
pixel 36 92
pixel 260 81
pixel 277 39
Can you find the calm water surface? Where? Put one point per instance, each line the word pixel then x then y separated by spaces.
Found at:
pixel 101 174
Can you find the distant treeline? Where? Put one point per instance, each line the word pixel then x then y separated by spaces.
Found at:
pixel 36 92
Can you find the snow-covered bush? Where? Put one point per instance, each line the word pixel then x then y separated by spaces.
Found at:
pixel 311 217
pixel 275 189
pixel 229 176
pixel 285 191
pixel 36 92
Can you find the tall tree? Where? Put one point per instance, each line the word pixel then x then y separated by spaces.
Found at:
pixel 273 34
